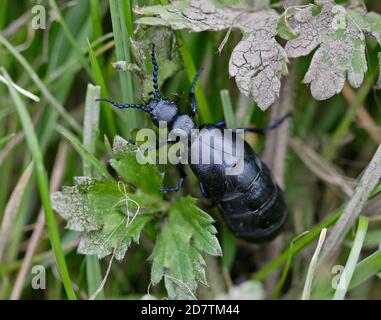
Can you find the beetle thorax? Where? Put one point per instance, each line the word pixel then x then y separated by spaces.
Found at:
pixel 163 111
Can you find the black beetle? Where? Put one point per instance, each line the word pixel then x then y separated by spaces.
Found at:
pixel 251 203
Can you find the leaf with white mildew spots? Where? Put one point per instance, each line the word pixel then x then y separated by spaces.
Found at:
pixel 108 213
pixel 370 23
pixel 258 62
pixel 112 214
pixel 339 36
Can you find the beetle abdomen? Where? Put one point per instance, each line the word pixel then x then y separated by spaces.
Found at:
pixel 258 214
pixel 251 203
pixel 255 225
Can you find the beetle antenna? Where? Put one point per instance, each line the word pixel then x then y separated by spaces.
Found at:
pixel 155 73
pixel 140 107
pixel 194 82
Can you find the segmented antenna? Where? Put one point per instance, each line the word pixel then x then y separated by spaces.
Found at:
pixel 194 82
pixel 140 107
pixel 155 73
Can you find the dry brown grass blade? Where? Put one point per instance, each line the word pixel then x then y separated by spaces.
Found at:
pixel 355 205
pixel 12 208
pixel 16 140
pixel 321 167
pixel 277 140
pixel 55 182
pixel 275 157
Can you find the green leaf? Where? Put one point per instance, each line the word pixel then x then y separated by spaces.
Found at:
pixel 228 108
pixel 177 257
pixel 108 214
pixel 167 54
pixel 112 214
pixel 125 162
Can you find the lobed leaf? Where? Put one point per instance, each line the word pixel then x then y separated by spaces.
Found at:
pixel 106 212
pixel 370 23
pixel 167 55
pixel 193 15
pixel 340 44
pixel 112 214
pixel 177 255
pixel 145 176
pixel 258 62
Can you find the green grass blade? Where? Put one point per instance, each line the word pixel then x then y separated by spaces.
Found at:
pixel 228 109
pixel 73 42
pixel 43 185
pixel 90 125
pixel 129 17
pixel 96 19
pixel 229 247
pixel 94 277
pixel 84 152
pixel 203 106
pixel 5 139
pixel 347 274
pixel 49 97
pixel 297 247
pixel 366 269
pixel 99 79
pixel 121 36
pixel 277 291
pixel 3 11
pixel 90 131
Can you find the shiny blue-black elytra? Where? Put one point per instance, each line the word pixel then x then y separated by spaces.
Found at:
pixel 251 203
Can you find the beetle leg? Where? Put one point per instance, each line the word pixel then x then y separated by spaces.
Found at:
pixel 202 189
pixel 175 189
pixel 270 127
pixel 192 96
pixel 180 184
pixel 220 124
pixel 157 146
